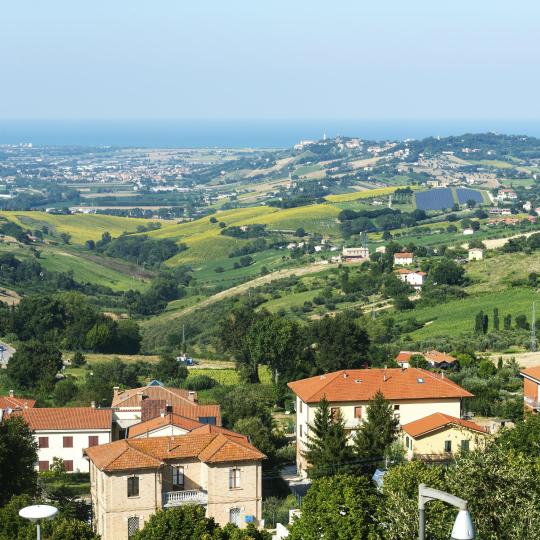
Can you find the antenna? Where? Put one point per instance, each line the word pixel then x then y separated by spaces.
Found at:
pixel 533 328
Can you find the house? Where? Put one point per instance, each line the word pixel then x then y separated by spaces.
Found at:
pixel 132 478
pixel 355 254
pixel 476 254
pixel 380 249
pixel 415 278
pixel 65 432
pixel 531 389
pixel 434 358
pixel 506 195
pixel 414 394
pixel 12 403
pixel 140 404
pixel 403 259
pixel 468 231
pixel 441 435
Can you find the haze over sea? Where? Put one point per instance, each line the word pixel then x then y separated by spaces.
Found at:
pixel 238 133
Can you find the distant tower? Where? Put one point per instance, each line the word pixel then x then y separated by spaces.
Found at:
pixel 324 136
pixel 533 328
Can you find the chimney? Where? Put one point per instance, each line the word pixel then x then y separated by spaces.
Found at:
pixel 345 374
pixel 139 397
pixel 384 375
pixel 191 395
pixel 11 393
pixel 168 408
pixel 116 391
pixel 93 404
pixel 162 413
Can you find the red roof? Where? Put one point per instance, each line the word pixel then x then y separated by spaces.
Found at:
pixel 403 255
pixel 362 385
pixel 134 396
pixel 437 421
pixel 439 357
pixel 151 452
pixel 405 356
pixel 532 372
pixel 67 418
pixel 12 402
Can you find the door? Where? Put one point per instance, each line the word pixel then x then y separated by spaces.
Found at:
pixel 234 516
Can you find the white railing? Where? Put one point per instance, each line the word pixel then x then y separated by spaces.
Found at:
pixel 190 496
pixel 535 404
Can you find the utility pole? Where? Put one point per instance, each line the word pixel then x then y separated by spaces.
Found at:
pixel 533 328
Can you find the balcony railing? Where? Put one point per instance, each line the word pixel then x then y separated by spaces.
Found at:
pixel 533 403
pixel 190 496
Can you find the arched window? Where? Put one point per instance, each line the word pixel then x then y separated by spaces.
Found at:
pixel 234 516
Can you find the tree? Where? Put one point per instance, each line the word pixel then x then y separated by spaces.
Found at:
pixel 128 337
pixel 507 322
pixel 35 365
pixel 524 438
pixel 496 319
pixel 78 359
pixel 341 507
pixel 485 323
pixel 65 237
pixel 245 402
pixel 300 232
pixel 479 322
pixel 260 435
pixel 169 371
pixel 446 272
pixel 419 361
pixel 64 391
pixel 18 457
pixel 521 322
pixel 69 529
pixel 378 431
pixel 327 450
pixel 486 369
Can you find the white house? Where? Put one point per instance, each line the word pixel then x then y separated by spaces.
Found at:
pixel 355 254
pixel 415 278
pixel 65 432
pixel 476 254
pixel 468 231
pixel 506 195
pixel 414 394
pixel 380 249
pixel 404 258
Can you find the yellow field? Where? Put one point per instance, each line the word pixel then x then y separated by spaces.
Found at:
pixel 367 194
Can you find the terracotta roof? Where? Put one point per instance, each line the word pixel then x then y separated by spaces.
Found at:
pixel 439 357
pixel 532 372
pixel 209 428
pixel 170 419
pixel 403 255
pixel 404 271
pixel 405 356
pixel 151 452
pixel 362 384
pixel 67 418
pixel 134 396
pixel 12 402
pixel 437 421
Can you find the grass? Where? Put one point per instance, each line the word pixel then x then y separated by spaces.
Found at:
pixel 367 194
pixel 229 376
pixel 492 163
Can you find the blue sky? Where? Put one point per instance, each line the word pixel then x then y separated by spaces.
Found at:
pixel 216 59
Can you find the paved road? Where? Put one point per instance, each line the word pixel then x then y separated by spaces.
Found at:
pixel 6 352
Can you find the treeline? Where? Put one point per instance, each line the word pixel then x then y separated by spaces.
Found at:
pixel 383 219
pixel 522 243
pixel 246 232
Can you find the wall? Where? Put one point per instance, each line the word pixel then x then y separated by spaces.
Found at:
pixel 164 431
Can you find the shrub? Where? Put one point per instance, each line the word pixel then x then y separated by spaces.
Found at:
pixel 200 382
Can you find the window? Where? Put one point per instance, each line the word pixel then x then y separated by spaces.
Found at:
pixel 300 430
pixel 178 477
pixel 300 406
pixel 93 440
pixel 334 413
pixel 207 420
pixel 465 445
pixel 133 525
pixel 68 465
pixel 448 446
pixel 68 442
pixel 234 478
pixel 358 412
pixel 133 486
pixel 43 466
pixel 396 407
pixel 43 442
pixel 407 442
pixel 234 516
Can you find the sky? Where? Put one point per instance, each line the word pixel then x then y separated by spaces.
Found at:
pixel 268 59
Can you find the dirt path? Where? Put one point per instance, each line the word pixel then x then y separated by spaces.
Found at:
pixel 9 297
pixel 525 359
pixel 494 243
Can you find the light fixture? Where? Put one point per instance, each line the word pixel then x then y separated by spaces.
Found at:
pixel 36 513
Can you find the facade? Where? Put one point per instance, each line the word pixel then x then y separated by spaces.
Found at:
pixel 132 478
pixel 65 432
pixel 441 435
pixel 414 394
pixel 531 389
pixel 355 254
pixel 476 254
pixel 415 278
pixel 403 258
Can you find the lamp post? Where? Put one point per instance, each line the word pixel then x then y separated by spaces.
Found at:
pixel 37 512
pixel 463 526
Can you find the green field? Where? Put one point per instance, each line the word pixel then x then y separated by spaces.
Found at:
pixel 367 194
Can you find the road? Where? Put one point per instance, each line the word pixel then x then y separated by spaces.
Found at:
pixel 6 352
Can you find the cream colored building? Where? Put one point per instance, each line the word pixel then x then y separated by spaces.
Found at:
pixel 414 394
pixel 476 254
pixel 131 479
pixel 441 435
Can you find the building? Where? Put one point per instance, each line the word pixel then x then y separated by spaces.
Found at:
pixel 380 249
pixel 441 435
pixel 140 404
pixel 403 259
pixel 65 432
pixel 414 394
pixel 355 254
pixel 506 195
pixel 12 403
pixel 476 254
pixel 434 358
pixel 415 278
pixel 132 478
pixel 468 231
pixel 531 389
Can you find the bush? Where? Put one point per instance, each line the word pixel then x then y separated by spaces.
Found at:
pixel 200 382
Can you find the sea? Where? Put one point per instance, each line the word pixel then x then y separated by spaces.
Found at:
pixel 265 133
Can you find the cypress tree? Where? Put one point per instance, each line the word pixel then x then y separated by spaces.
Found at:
pixel 327 450
pixel 485 323
pixel 478 322
pixel 507 322
pixel 495 318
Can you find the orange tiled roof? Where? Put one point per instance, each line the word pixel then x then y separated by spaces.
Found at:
pixel 12 402
pixel 362 384
pixel 173 396
pixel 403 255
pixel 151 452
pixel 209 428
pixel 170 419
pixel 438 357
pixel 405 356
pixel 436 421
pixel 532 372
pixel 67 418
pixel 404 271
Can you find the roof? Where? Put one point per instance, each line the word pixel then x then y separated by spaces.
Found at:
pixel 363 384
pixel 439 357
pixel 67 418
pixel 12 402
pixel 154 390
pixel 405 356
pixel 532 373
pixel 403 255
pixel 437 421
pixel 152 452
pixel 170 419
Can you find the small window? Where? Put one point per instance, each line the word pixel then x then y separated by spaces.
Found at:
pixel 207 420
pixel 358 412
pixel 334 413
pixel 68 465
pixel 133 486
pixel 465 445
pixel 43 442
pixel 133 526
pixel 93 440
pixel 68 442
pixel 396 407
pixel 234 478
pixel 407 442
pixel 420 380
pixel 300 430
pixel 234 516
pixel 178 477
pixel 43 466
pixel 448 446
pixel 299 405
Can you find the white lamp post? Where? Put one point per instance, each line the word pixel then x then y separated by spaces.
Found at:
pixel 463 526
pixel 37 512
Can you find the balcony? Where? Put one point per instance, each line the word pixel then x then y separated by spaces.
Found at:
pixel 532 403
pixel 191 496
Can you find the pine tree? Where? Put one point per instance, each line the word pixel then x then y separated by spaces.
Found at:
pixel 379 431
pixel 495 318
pixel 327 450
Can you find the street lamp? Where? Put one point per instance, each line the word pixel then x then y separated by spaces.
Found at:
pixel 37 512
pixel 463 526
